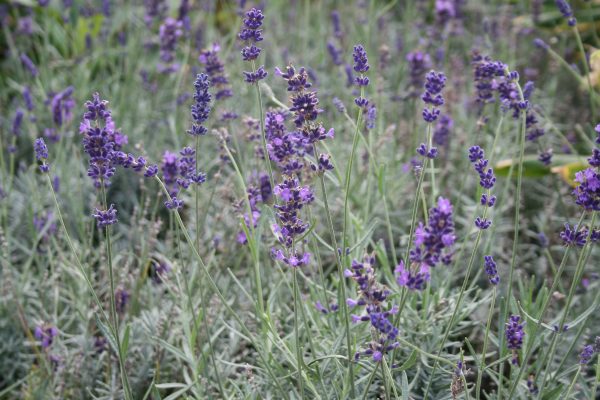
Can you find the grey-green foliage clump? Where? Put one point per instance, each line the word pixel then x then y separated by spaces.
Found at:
pixel 305 199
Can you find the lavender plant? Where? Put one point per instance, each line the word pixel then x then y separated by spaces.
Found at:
pixel 362 227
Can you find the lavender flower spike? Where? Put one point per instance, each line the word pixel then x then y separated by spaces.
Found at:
pixel 41 154
pixel 252 34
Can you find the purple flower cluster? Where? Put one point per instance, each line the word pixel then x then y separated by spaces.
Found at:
pixel 201 107
pixel 442 130
pixel 45 334
pixel 514 336
pixel 103 143
pixel 487 179
pixel 41 154
pixel 283 146
pixel 17 122
pixel 434 83
pixel 252 34
pixel 432 246
pixel 586 354
pixel 418 64
pixel 216 71
pixel 373 297
pixel 578 237
pixel 62 105
pixel 105 218
pixel 361 65
pixel 28 64
pixel 491 270
pixel 486 74
pixel 305 109
pixel 587 192
pixel 293 197
pixel 169 33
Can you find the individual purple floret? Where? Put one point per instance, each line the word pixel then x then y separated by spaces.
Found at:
pixel 586 354
pixel 216 71
pixel 574 237
pixel 252 34
pixel 45 334
pixel 491 270
pixel 105 218
pixel 41 154
pixel 514 336
pixel 587 192
pixel 373 296
pixel 28 64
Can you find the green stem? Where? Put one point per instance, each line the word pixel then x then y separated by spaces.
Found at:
pixel 481 368
pixel 342 286
pixel 517 205
pixel 113 307
pixel 573 383
pixel 348 176
pixel 299 358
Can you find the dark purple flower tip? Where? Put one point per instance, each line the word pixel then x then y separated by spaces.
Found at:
pixel 254 18
pixel 430 115
pixel 17 122
pixel 174 203
pixel 476 153
pixel 545 157
pixel 574 237
pixel 250 53
pixel 491 270
pixel 435 82
pixel 587 192
pixel 565 8
pixel 361 102
pixel 361 81
pixel 254 77
pixel 45 334
pixel 514 333
pixel 482 223
pixel 539 43
pixel 28 64
pixel 586 354
pixel 105 218
pixel 151 171
pixel 41 151
pixel 572 21
pixel 361 63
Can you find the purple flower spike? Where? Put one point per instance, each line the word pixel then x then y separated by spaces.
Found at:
pixel 252 34
pixel 514 336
